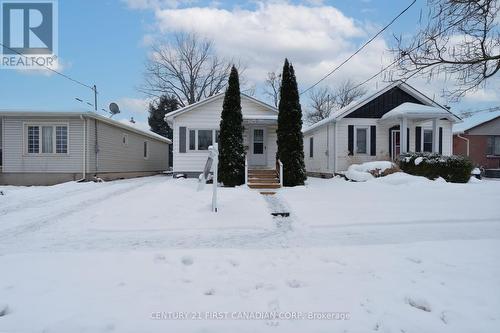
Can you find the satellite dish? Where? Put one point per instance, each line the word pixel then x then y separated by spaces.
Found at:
pixel 114 109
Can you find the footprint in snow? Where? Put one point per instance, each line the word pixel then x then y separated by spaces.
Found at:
pixel 295 284
pixel 209 292
pixel 4 310
pixel 186 260
pixel 419 303
pixel 265 286
pixel 414 260
pixel 160 258
pixel 233 262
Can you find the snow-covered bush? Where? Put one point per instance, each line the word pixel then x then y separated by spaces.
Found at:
pixel 370 170
pixel 454 169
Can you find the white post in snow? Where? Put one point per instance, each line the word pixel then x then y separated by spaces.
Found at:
pixel 435 136
pixel 403 133
pixel 215 156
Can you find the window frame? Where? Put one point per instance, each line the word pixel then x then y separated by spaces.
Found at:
pixel 368 143
pixel 422 143
pixel 196 130
pixel 145 150
pixel 40 125
pixel 494 139
pixel 124 139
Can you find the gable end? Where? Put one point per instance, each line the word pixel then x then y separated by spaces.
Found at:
pixel 383 104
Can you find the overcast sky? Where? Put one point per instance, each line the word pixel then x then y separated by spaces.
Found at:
pixel 107 43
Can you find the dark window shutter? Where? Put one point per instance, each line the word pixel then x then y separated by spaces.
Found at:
pixel 440 140
pixel 407 139
pixel 489 147
pixel 418 139
pixel 373 140
pixel 182 139
pixel 311 146
pixel 350 139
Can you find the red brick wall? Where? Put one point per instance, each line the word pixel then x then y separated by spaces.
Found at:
pixel 477 150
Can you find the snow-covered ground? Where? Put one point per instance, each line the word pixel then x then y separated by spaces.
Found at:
pixel 395 254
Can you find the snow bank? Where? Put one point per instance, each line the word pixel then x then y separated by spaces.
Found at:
pixel 396 198
pixel 364 172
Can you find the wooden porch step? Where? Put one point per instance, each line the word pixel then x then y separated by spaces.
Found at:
pixel 263 180
pixel 264 185
pixel 261 172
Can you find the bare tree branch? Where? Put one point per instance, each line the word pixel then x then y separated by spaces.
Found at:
pixel 460 41
pixel 272 87
pixel 324 100
pixel 187 68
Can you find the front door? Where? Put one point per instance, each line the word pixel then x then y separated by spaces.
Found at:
pixel 395 144
pixel 258 139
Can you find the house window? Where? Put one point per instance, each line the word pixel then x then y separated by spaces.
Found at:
pixel 493 145
pixel 61 139
pixel 124 139
pixel 146 150
pixel 33 139
pixel 47 139
pixel 205 138
pixel 201 139
pixel 427 141
pixel 311 147
pixel 47 142
pixel 361 140
pixel 192 139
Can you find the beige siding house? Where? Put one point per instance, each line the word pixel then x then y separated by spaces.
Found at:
pixel 196 128
pixel 394 120
pixel 45 148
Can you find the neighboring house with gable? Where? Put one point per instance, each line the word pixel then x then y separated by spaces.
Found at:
pixel 46 148
pixel 478 138
pixel 392 121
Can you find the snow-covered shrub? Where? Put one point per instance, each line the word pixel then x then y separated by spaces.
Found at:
pixel 454 169
pixel 369 170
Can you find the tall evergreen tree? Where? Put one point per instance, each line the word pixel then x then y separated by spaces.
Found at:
pixel 290 139
pixel 156 119
pixel 231 150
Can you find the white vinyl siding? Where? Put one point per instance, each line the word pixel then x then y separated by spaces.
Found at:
pixel 16 155
pixel 208 117
pixel 116 157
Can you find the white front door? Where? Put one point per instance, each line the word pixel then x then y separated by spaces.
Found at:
pixel 258 139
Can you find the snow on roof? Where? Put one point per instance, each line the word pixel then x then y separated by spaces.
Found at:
pixel 170 116
pixel 414 110
pixel 473 121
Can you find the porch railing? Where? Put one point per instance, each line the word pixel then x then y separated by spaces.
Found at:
pixel 246 169
pixel 279 171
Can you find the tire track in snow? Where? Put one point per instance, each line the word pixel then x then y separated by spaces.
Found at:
pixel 35 224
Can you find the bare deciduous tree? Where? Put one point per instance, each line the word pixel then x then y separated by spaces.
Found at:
pixel 187 68
pixel 461 41
pixel 272 87
pixel 324 100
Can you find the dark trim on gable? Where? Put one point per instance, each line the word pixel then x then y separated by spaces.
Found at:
pixel 384 103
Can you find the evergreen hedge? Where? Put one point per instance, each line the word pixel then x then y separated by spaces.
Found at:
pixel 454 169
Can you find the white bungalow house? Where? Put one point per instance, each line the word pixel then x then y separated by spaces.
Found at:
pixel 196 128
pixel 394 120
